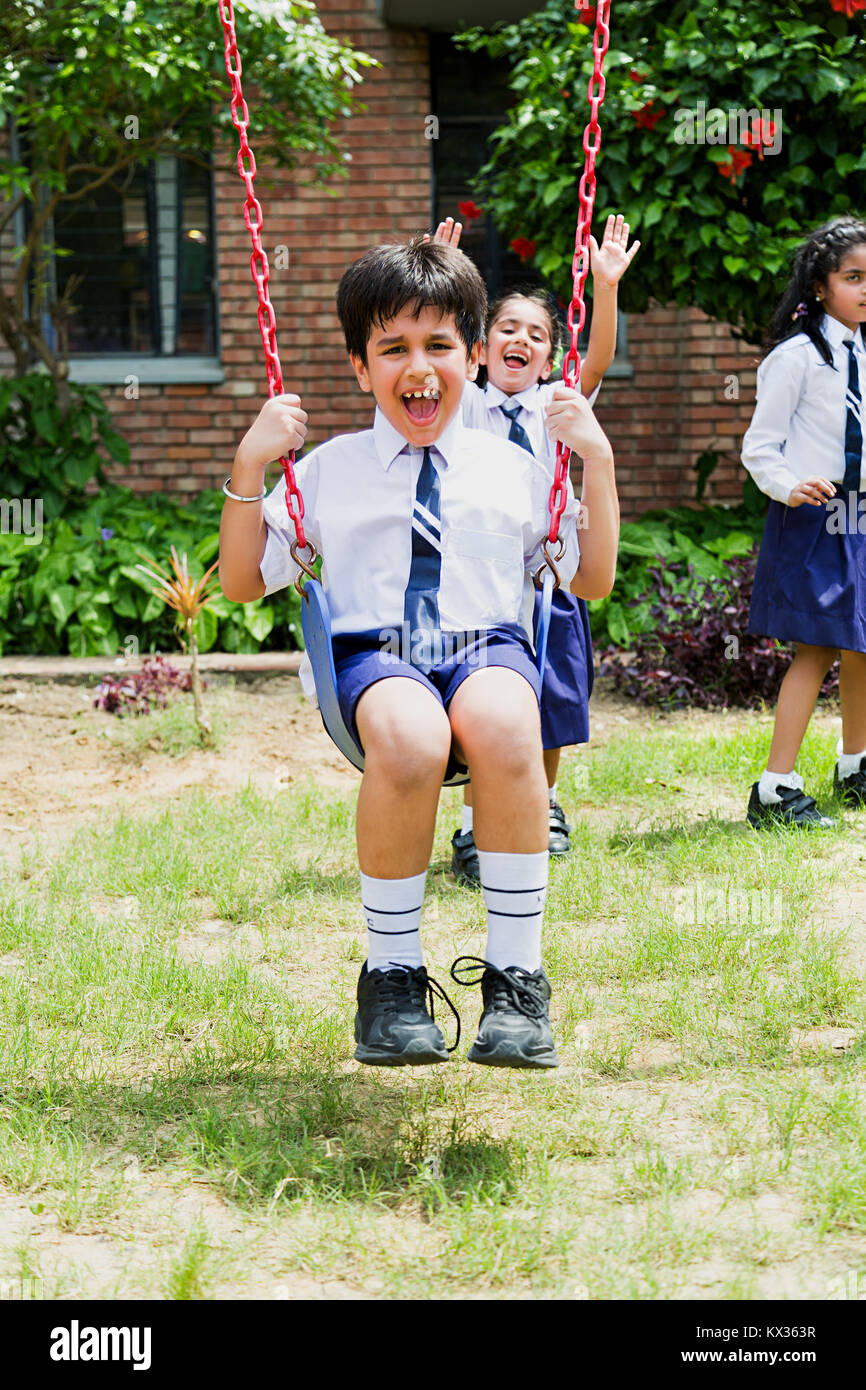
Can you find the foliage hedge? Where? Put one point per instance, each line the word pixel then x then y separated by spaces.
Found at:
pixel 689 546
pixel 78 592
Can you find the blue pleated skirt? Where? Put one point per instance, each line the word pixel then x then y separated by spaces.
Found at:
pixel 810 580
pixel 568 672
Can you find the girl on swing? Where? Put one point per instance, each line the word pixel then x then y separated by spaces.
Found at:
pixel 523 337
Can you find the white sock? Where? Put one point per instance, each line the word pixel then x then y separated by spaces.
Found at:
pixel 771 780
pixel 466 822
pixel 552 793
pixel 392 910
pixel 846 763
pixel 514 887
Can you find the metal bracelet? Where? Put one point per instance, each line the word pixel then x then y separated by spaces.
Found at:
pixel 234 496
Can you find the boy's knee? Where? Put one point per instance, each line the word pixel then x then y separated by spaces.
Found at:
pixel 513 744
pixel 407 738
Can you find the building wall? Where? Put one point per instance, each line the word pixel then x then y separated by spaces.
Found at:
pixel 183 436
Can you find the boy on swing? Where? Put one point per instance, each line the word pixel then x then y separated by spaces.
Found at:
pixel 427 528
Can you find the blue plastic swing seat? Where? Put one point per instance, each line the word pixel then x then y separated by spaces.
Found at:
pixel 316 623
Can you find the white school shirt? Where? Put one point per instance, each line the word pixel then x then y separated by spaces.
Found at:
pixel 798 428
pixel 481 408
pixel 359 495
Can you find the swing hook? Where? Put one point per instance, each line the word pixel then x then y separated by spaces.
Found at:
pixel 550 563
pixel 305 568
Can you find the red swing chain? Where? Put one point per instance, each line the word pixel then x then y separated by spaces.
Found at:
pixel 580 261
pixel 259 264
pixel 260 272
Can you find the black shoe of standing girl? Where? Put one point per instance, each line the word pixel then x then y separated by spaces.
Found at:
pixel 852 789
pixel 795 808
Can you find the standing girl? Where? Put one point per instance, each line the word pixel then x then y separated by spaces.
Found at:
pixel 524 335
pixel 804 448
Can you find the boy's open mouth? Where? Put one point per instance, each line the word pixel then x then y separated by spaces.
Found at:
pixel 515 360
pixel 421 406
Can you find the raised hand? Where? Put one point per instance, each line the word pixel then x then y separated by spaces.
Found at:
pixel 611 260
pixel 448 232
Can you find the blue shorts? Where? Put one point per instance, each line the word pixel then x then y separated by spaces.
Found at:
pixel 360 662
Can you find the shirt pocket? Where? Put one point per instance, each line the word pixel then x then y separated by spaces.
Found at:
pixel 485 578
pixel 486 545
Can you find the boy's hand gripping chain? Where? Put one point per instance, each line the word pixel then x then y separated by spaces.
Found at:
pixel 580 264
pixel 261 276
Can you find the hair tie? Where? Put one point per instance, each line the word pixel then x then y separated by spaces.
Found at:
pixel 801 309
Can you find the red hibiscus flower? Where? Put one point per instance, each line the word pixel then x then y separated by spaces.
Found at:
pixel 739 160
pixel 647 118
pixel 524 249
pixel 762 133
pixel 586 13
pixel 468 211
pixel 847 7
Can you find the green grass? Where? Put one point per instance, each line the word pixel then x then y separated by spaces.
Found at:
pixel 179 1097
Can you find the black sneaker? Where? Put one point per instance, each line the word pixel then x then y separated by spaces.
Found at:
pixel 392 1025
pixel 560 830
pixel 514 1030
pixel 464 860
pixel 852 789
pixel 795 808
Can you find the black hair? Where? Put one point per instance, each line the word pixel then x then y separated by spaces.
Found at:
pixel 544 302
pixel 815 258
pixel 425 274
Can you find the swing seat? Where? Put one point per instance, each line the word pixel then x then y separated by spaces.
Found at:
pixel 316 625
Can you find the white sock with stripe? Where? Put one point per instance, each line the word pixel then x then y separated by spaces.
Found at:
pixel 514 887
pixel 392 911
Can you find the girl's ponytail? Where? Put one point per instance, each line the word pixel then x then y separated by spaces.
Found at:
pixel 800 310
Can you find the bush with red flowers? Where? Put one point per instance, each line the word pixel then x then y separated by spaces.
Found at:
pixel 717 224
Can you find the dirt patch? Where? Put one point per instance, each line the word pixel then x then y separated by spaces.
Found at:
pixel 60 761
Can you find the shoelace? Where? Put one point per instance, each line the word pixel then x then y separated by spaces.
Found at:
pixel 401 980
pixel 515 985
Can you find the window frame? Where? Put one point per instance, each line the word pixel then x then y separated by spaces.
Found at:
pixel 156 368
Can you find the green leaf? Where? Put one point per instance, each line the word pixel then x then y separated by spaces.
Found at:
pixel 207 627
pixel 258 619
pixel 61 601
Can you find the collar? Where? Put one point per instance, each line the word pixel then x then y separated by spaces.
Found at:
pixel 527 398
pixel 836 334
pixel 389 442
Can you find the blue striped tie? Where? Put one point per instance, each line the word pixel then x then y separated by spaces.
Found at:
pixel 517 434
pixel 421 603
pixel 853 429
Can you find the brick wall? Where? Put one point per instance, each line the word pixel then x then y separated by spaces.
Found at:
pixel 693 389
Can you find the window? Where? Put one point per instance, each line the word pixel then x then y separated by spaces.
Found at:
pixel 140 252
pixel 470 97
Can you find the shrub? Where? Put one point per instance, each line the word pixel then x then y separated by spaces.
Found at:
pixel 139 692
pixel 698 650
pixel 79 592
pixel 686 544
